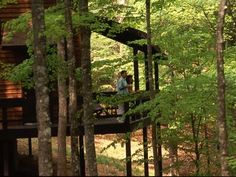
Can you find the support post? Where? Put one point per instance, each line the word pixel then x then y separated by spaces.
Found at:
pixel 82 160
pixel 145 151
pixel 6 168
pixel 146 72
pixel 13 157
pixel 30 147
pixel 159 149
pixel 159 146
pixel 136 71
pixel 4 117
pixel 128 157
pixel 156 73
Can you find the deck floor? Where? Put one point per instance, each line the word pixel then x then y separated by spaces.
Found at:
pixel 102 126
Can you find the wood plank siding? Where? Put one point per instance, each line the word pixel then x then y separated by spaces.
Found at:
pixel 15 9
pixel 14 53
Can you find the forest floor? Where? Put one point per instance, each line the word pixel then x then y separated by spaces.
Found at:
pixel 110 156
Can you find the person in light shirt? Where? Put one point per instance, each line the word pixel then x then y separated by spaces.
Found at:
pixel 122 88
pixel 122 85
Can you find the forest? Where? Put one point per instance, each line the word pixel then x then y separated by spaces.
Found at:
pixel 183 63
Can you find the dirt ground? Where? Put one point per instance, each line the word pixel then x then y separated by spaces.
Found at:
pixel 110 156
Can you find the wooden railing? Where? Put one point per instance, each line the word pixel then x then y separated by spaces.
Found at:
pixel 110 110
pixel 26 106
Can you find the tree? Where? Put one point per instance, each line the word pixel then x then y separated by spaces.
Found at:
pixel 155 144
pixel 62 109
pixel 75 163
pixel 88 118
pixel 222 130
pixel 41 90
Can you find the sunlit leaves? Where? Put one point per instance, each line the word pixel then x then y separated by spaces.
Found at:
pixel 3 3
pixel 23 74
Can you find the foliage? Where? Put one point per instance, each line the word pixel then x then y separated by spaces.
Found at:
pixel 5 68
pixel 186 104
pixel 22 73
pixel 3 3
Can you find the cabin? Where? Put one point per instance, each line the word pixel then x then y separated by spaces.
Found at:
pixel 17 106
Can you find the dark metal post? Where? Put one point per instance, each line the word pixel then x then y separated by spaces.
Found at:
pixel 146 72
pixel 128 157
pixel 13 157
pixel 6 168
pixel 159 146
pixel 159 149
pixel 127 118
pixel 30 147
pixel 4 117
pixel 156 73
pixel 136 72
pixel 82 160
pixel 145 151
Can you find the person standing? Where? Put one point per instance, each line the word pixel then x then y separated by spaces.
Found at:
pixel 129 80
pixel 122 88
pixel 122 85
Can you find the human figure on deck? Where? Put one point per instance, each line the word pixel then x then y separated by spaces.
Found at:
pixel 122 85
pixel 122 88
pixel 129 80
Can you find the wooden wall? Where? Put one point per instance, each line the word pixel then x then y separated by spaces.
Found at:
pixel 16 9
pixel 14 54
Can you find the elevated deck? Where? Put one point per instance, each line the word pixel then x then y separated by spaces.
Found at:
pixel 17 120
pixel 107 121
pixel 102 126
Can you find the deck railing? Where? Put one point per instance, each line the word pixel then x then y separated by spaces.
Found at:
pixel 101 110
pixel 110 110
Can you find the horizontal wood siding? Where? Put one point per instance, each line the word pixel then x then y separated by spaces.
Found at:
pixel 15 54
pixel 22 6
pixel 9 89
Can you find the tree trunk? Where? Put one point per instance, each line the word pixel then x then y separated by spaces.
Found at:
pixel 174 160
pixel 208 155
pixel 88 118
pixel 41 90
pixel 155 128
pixel 75 163
pixel 195 131
pixel 223 138
pixel 173 145
pixel 62 113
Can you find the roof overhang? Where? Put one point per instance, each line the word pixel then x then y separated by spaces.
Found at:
pixel 127 36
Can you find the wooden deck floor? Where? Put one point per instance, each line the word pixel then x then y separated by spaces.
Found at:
pixel 102 126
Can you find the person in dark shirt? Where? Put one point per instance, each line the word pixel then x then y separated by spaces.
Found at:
pixel 129 80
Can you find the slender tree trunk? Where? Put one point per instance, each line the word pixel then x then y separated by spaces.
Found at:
pixel 173 145
pixel 208 156
pixel 62 113
pixel 155 128
pixel 75 163
pixel 223 138
pixel 195 132
pixel 173 154
pixel 41 90
pixel 88 118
